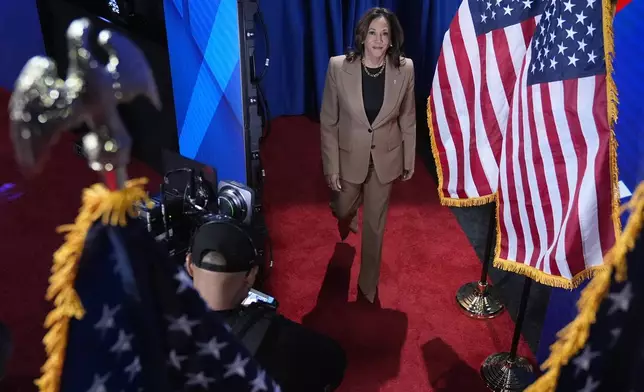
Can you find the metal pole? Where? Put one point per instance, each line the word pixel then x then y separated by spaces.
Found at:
pixel 518 326
pixel 507 372
pixel 491 236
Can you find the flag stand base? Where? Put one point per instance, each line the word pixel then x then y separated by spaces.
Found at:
pixel 479 300
pixel 501 373
pixel 507 372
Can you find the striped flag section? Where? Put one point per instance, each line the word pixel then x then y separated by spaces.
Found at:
pixel 556 178
pixel 470 98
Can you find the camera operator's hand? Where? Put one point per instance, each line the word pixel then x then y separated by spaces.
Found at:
pixel 333 181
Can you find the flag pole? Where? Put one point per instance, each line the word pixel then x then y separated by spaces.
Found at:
pixel 480 300
pixel 507 371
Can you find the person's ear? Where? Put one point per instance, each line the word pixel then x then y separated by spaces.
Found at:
pixel 188 265
pixel 252 276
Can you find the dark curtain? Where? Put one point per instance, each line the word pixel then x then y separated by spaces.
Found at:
pixel 303 34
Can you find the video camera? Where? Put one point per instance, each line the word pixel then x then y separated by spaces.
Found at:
pixel 182 207
pixel 187 200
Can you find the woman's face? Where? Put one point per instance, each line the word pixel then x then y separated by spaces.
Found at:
pixel 377 41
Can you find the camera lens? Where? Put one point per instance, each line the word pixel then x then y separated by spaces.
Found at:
pixel 232 203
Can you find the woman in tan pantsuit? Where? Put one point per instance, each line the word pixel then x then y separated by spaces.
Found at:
pixel 368 127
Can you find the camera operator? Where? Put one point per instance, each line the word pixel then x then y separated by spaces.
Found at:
pixel 222 262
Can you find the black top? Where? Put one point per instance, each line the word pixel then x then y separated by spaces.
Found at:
pixel 373 92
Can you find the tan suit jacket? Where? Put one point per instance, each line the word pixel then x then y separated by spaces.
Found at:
pixel 348 140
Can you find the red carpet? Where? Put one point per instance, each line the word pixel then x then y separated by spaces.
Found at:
pixel 419 341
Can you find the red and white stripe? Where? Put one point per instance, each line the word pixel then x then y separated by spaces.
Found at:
pixel 470 103
pixel 555 193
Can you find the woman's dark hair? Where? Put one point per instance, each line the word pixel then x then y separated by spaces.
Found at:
pixel 396 36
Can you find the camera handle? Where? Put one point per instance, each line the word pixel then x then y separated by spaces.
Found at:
pixel 190 195
pixel 166 181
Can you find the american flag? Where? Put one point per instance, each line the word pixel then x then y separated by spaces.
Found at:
pixel 145 327
pixel 473 88
pixel 612 357
pixel 557 187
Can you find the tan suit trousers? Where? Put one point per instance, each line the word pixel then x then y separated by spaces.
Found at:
pixel 375 197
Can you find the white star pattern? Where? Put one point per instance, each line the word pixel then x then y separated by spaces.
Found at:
pixel 571 33
pixel 622 300
pixel 185 282
pixel 553 63
pixel 98 385
pixel 560 21
pixel 259 383
pixel 213 347
pixel 237 367
pixel 582 362
pixel 591 385
pixel 199 379
pixel 581 17
pixel 123 344
pixel 175 360
pixel 492 14
pixel 573 60
pixel 615 333
pixel 107 319
pixel 561 49
pixel 133 369
pixel 591 57
pixel 182 324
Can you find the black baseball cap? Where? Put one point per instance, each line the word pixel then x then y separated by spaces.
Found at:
pixel 228 239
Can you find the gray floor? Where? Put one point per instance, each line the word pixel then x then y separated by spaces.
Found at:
pixel 475 221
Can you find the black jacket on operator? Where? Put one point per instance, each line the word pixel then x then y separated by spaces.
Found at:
pixel 299 359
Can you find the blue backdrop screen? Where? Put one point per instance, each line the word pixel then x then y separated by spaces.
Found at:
pixel 205 56
pixel 629 69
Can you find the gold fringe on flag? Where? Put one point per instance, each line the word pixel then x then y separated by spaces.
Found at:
pixel 574 336
pixel 608 15
pixel 535 274
pixel 448 201
pixel 546 279
pixel 113 208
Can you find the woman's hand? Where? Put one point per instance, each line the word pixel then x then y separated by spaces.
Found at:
pixel 333 181
pixel 407 174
